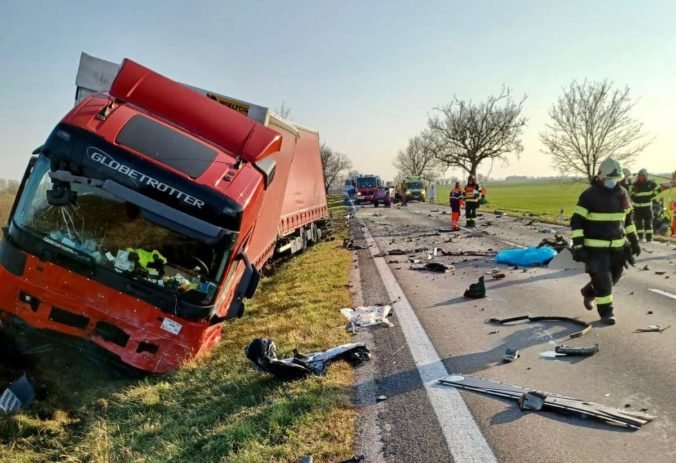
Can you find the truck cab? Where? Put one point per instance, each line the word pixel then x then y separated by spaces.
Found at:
pixel 415 188
pixel 366 187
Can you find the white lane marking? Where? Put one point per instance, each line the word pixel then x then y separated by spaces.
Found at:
pixel 663 293
pixel 463 436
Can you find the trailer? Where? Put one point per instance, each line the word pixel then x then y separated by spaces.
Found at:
pixel 143 221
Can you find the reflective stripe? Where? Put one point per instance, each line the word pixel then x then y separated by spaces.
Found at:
pixel 579 233
pixel 606 216
pixel 604 299
pixel 630 229
pixel 639 230
pixel 649 231
pixel 642 205
pixel 603 243
pixel 579 210
pixel 644 193
pixel 628 210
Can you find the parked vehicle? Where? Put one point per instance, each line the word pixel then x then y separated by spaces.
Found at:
pixel 414 187
pixel 143 221
pixel 382 196
pixel 366 186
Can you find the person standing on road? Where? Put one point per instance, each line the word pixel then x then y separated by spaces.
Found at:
pixel 433 193
pixel 472 193
pixel 601 224
pixel 643 192
pixel 456 200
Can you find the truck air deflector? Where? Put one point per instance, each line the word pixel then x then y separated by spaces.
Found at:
pixel 166 216
pixel 204 117
pixel 166 145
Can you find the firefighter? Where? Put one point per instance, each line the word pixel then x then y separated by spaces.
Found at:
pixel 643 192
pixel 627 181
pixel 601 224
pixel 472 193
pixel 456 199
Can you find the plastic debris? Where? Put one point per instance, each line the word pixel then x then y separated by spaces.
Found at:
pixel 559 243
pixel 586 327
pixel 263 353
pixel 476 290
pixel 365 316
pixel 576 351
pixel 510 355
pixel 652 329
pixel 526 257
pixel 530 399
pixel 20 394
pixel 564 261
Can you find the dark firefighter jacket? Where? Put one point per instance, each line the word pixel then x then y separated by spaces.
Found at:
pixel 603 218
pixel 456 198
pixel 472 193
pixel 642 194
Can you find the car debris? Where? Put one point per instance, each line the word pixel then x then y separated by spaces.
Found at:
pixel 19 395
pixel 564 261
pixel 476 290
pixel 398 252
pixel 436 267
pixel 495 274
pixel 547 230
pixel 487 253
pixel 530 399
pixel 365 316
pixel 448 230
pixel 586 327
pixel 350 244
pixel 559 243
pixel 380 398
pixel 652 329
pixel 510 355
pixel 577 350
pixel 263 353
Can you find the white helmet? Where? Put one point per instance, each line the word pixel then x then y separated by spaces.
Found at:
pixel 610 168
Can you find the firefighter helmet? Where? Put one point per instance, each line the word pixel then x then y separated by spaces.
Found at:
pixel 626 172
pixel 610 168
pixel 643 172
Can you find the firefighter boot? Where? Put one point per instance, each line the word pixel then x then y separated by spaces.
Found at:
pixel 588 295
pixel 606 314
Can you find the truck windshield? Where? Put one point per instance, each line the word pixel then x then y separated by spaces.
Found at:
pixel 414 185
pixel 112 233
pixel 368 182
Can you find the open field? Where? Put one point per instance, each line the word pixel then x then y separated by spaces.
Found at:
pixel 215 408
pixel 543 200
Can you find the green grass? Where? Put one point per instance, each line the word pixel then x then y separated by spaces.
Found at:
pixel 216 408
pixel 543 200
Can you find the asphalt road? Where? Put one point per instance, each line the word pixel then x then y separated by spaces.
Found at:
pixel 631 370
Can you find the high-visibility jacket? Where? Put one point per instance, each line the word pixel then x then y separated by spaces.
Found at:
pixel 642 194
pixel 456 198
pixel 602 218
pixel 472 193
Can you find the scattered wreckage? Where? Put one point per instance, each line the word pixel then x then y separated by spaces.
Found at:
pixel 19 395
pixel 366 316
pixel 531 399
pixel 263 354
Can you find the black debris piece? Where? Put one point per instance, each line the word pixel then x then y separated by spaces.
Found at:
pixel 20 394
pixel 573 350
pixel 263 353
pixel 586 327
pixel 488 253
pixel 476 290
pixel 559 243
pixel 660 272
pixel 530 399
pixel 436 267
pixel 510 355
pixel 355 459
pixel 349 244
pixel 398 252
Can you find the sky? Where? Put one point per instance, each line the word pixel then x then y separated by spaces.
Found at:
pixel 366 74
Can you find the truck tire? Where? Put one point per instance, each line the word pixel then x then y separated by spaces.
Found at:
pixel 375 203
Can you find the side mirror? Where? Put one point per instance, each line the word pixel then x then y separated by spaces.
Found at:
pixel 267 167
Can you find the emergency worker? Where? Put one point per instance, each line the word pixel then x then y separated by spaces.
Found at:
pixel 472 192
pixel 643 191
pixel 601 224
pixel 456 198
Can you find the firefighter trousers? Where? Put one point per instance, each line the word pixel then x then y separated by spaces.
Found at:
pixel 470 212
pixel 643 217
pixel 604 267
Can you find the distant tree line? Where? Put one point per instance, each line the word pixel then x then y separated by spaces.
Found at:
pixel 589 122
pixel 9 186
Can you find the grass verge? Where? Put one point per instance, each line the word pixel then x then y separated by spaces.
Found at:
pixel 216 408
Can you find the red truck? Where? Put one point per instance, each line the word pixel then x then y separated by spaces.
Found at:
pixel 366 187
pixel 142 223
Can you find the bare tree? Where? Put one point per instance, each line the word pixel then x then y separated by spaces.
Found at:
pixel 284 111
pixel 333 163
pixel 590 122
pixel 469 133
pixel 419 158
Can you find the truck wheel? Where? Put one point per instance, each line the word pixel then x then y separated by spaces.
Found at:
pixel 375 203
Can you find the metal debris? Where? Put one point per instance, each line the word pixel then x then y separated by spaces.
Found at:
pixel 577 351
pixel 436 267
pixel 652 329
pixel 530 399
pixel 20 394
pixel 586 327
pixel 365 316
pixel 510 355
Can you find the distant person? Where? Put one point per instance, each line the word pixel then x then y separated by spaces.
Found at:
pixel 456 200
pixel 472 193
pixel 601 226
pixel 432 193
pixel 643 191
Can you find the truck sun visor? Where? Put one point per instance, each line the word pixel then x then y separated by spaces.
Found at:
pixel 206 118
pixel 166 145
pixel 166 216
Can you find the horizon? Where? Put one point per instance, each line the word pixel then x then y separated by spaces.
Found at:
pixel 366 78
